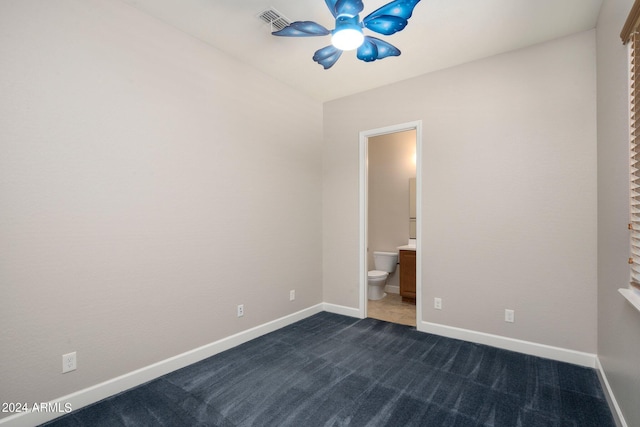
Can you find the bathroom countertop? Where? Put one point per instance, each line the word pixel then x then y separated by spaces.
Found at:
pixel 407 248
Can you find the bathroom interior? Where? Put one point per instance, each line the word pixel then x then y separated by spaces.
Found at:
pixel 391 227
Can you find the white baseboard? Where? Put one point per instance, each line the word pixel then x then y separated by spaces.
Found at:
pixel 520 346
pixel 341 309
pixel 119 384
pixel 611 399
pixel 124 382
pixel 391 289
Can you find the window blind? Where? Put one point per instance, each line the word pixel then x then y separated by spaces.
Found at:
pixel 634 160
pixel 631 33
pixel 634 190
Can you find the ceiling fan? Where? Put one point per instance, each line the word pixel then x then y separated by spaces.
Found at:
pixel 348 35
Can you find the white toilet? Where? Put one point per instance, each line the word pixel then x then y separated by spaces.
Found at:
pixel 385 263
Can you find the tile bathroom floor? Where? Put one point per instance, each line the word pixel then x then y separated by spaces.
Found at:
pixel 392 309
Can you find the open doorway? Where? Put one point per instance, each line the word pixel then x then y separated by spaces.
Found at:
pixel 390 171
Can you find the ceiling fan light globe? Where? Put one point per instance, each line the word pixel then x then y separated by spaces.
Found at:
pixel 347 39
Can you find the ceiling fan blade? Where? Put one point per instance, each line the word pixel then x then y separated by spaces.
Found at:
pixel 348 8
pixel 390 18
pixel 327 56
pixel 302 29
pixel 386 25
pixel 374 48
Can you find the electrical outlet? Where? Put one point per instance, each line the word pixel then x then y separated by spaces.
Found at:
pixel 509 316
pixel 241 310
pixel 292 295
pixel 437 303
pixel 69 362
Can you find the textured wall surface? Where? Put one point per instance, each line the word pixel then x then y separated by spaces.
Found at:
pixel 508 191
pixel 148 185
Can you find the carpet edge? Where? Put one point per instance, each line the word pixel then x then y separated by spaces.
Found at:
pixel 98 392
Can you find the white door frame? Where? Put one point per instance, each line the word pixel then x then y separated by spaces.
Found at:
pixel 364 153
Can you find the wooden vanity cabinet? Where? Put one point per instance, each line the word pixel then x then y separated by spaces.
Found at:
pixel 408 275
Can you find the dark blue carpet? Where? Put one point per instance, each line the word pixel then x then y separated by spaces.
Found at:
pixel 332 370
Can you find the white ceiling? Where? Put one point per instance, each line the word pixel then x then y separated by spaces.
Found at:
pixel 440 34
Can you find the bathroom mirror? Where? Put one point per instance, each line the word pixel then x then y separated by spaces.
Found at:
pixel 412 208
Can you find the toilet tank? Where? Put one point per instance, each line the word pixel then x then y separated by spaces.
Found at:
pixel 385 261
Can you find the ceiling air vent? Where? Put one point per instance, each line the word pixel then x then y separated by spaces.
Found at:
pixel 275 18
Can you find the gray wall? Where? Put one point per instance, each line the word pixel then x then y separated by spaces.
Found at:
pixel 618 321
pixel 509 191
pixel 148 185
